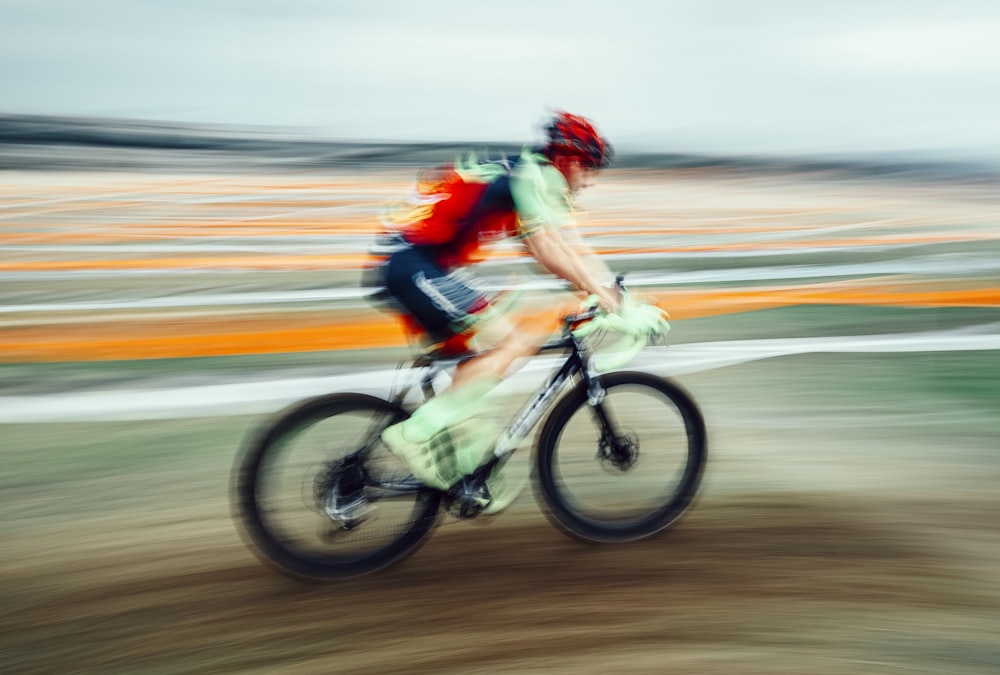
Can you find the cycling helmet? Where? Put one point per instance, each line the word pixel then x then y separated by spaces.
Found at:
pixel 575 135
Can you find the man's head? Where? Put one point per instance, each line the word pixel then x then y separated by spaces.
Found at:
pixel 576 148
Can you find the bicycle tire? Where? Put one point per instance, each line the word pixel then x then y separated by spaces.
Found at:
pixel 586 505
pixel 280 543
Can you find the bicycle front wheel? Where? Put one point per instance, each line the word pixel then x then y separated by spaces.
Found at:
pixel 625 468
pixel 287 477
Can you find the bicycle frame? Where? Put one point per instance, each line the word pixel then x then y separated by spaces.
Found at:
pixel 577 363
pixel 578 410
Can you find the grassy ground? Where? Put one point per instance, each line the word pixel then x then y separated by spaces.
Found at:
pixel 59 468
pixel 847 524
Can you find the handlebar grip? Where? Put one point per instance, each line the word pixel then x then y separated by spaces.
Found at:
pixel 589 321
pixel 615 358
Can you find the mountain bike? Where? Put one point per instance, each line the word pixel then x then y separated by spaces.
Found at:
pixel 619 458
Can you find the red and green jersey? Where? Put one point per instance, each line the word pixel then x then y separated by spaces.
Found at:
pixel 455 210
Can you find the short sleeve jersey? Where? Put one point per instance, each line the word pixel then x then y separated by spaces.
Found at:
pixel 518 197
pixel 540 194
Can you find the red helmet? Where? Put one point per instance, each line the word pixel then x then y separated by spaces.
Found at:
pixel 575 135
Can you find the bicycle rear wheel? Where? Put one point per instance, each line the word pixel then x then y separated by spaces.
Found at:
pixel 286 476
pixel 623 470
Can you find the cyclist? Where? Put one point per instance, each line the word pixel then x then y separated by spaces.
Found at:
pixel 529 197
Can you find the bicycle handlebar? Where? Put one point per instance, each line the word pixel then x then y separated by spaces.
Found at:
pixel 636 323
pixel 626 350
pixel 593 312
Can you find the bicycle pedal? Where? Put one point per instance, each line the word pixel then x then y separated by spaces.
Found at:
pixel 358 516
pixel 349 514
pixel 468 498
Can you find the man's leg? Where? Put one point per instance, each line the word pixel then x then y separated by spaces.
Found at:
pixel 464 399
pixel 444 304
pixel 497 362
pixel 419 439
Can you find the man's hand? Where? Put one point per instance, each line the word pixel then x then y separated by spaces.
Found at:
pixel 609 299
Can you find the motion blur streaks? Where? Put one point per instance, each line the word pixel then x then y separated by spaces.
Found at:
pixel 839 328
pixel 114 266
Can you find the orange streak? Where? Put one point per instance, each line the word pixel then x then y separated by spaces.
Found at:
pixel 157 339
pixel 330 261
pixel 96 346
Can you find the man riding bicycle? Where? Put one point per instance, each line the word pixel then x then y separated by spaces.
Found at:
pixel 529 197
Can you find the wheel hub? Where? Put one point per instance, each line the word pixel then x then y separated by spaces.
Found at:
pixel 339 492
pixel 620 452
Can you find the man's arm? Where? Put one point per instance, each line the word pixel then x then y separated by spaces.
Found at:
pixel 541 198
pixel 555 255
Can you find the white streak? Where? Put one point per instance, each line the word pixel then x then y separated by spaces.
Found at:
pixel 239 398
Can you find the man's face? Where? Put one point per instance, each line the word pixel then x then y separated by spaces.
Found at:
pixel 579 175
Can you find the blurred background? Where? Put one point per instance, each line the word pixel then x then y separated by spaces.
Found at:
pixel 187 192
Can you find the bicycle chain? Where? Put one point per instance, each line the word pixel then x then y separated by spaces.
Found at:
pixel 400 528
pixel 347 535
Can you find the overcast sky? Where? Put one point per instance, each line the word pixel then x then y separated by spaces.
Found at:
pixel 720 76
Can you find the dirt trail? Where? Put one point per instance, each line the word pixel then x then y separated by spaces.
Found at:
pixel 770 583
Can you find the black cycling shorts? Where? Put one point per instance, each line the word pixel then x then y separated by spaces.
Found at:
pixel 443 303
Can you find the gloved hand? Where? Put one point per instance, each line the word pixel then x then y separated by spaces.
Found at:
pixel 644 319
pixel 633 318
pixel 639 323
